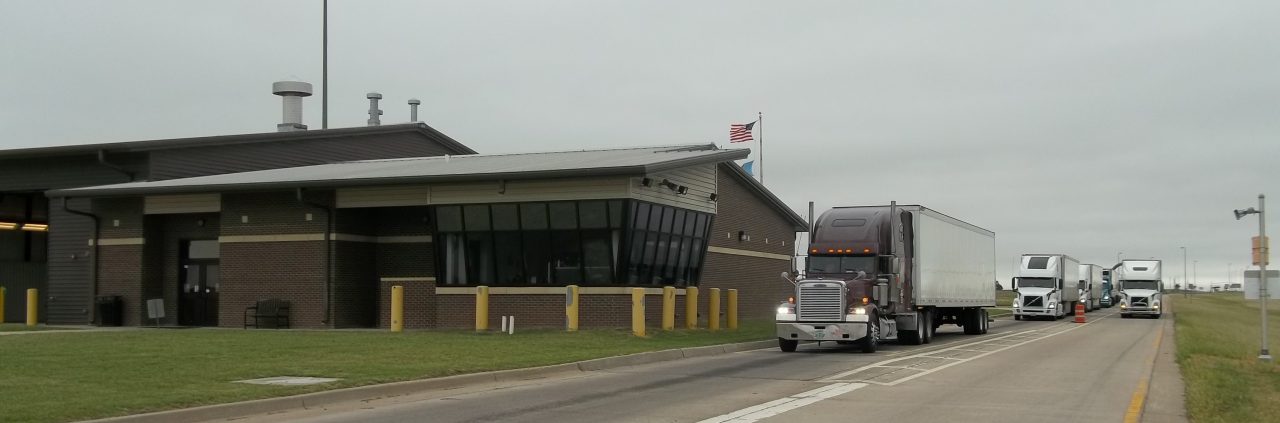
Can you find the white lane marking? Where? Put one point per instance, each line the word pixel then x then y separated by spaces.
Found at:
pixel 782 405
pixel 923 372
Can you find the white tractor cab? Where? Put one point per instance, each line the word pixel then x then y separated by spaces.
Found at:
pixel 1092 291
pixel 1140 287
pixel 1048 285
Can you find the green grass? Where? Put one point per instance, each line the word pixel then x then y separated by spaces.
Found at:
pixel 1217 339
pixel 61 377
pixel 22 327
pixel 1005 298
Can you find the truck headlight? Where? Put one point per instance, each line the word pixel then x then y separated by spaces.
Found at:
pixel 784 310
pixel 1015 304
pixel 1053 305
pixel 860 310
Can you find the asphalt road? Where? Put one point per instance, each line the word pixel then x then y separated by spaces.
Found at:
pixel 1041 371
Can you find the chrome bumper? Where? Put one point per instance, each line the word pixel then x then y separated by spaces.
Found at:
pixel 809 331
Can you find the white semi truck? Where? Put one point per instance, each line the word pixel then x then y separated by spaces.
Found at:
pixel 895 272
pixel 1091 275
pixel 1048 285
pixel 1140 287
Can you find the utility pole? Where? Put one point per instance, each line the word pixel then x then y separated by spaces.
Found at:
pixel 1185 287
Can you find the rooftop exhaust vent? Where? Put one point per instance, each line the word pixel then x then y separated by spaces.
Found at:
pixel 374 112
pixel 291 94
pixel 413 109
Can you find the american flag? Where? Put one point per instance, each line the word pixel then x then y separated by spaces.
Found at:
pixel 740 132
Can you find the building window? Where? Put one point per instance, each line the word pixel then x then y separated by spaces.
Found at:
pixel 591 242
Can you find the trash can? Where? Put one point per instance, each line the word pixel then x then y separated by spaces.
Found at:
pixel 110 311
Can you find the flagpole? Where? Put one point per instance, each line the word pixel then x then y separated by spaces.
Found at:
pixel 760 127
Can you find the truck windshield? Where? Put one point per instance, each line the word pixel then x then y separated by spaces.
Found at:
pixel 1151 285
pixel 844 264
pixel 1036 283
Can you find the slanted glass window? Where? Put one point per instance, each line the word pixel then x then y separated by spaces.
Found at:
pixel 1038 263
pixel 591 242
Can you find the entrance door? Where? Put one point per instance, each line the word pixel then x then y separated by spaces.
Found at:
pixel 198 277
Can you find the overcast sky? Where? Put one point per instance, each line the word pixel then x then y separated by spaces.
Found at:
pixel 1083 127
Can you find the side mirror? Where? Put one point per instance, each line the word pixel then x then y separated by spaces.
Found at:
pixel 787 277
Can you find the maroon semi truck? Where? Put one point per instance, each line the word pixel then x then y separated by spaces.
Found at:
pixel 895 272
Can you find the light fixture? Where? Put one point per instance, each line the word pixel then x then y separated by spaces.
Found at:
pixel 682 190
pixel 1242 213
pixel 646 182
pixel 668 184
pixel 35 227
pixel 712 196
pixel 742 236
pixel 8 226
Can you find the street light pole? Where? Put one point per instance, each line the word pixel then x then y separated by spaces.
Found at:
pixel 1261 257
pixel 1185 288
pixel 1265 355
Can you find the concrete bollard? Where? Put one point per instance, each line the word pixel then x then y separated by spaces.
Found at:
pixel 571 308
pixel 33 301
pixel 731 311
pixel 397 308
pixel 668 308
pixel 637 311
pixel 482 308
pixel 713 309
pixel 691 307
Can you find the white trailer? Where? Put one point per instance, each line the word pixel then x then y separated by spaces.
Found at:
pixel 1048 285
pixel 1140 288
pixel 1091 275
pixel 879 273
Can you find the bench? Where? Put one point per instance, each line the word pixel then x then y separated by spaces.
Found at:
pixel 267 314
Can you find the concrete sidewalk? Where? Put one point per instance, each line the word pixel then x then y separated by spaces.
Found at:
pixel 1166 398
pixel 66 329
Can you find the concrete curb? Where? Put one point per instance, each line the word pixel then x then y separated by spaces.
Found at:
pixel 362 393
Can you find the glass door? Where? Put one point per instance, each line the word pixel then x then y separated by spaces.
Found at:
pixel 199 277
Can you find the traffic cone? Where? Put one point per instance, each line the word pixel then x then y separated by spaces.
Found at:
pixel 1079 313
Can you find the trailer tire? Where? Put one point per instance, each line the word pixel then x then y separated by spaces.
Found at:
pixel 1017 317
pixel 986 321
pixel 928 326
pixel 788 345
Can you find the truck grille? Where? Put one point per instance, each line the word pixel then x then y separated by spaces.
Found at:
pixel 1033 301
pixel 820 303
pixel 1138 302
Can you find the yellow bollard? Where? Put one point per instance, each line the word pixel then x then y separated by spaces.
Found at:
pixel 668 307
pixel 571 308
pixel 713 309
pixel 731 312
pixel 482 308
pixel 33 301
pixel 1 304
pixel 691 307
pixel 397 308
pixel 637 311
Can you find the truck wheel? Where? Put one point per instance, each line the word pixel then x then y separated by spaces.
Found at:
pixel 872 340
pixel 1017 317
pixel 788 345
pixel 1124 316
pixel 986 321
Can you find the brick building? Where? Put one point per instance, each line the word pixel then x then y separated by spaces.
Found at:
pixel 331 219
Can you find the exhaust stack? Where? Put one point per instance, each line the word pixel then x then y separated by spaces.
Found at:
pixel 374 113
pixel 291 94
pixel 413 109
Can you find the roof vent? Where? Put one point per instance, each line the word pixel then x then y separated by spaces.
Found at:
pixel 374 113
pixel 413 109
pixel 291 94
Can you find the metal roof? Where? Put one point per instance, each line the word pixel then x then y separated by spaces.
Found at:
pixel 629 161
pixel 165 144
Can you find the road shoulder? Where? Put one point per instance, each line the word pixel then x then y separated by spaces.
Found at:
pixel 1167 396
